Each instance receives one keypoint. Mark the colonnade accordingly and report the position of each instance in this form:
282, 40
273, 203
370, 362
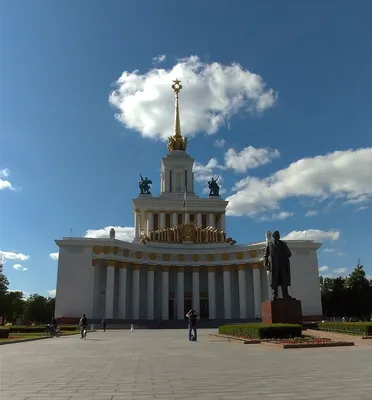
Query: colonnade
180, 290
149, 223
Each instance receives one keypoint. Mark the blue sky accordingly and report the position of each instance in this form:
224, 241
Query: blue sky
276, 100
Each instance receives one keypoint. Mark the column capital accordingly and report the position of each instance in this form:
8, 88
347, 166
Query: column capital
180, 269
111, 263
122, 265
165, 268
227, 268
242, 267
151, 268
195, 269
136, 267
212, 269
256, 265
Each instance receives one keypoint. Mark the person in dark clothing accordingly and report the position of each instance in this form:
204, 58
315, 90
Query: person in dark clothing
83, 323
192, 315
104, 324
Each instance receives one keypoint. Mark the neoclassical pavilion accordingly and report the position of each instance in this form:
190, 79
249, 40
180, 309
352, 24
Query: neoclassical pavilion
181, 257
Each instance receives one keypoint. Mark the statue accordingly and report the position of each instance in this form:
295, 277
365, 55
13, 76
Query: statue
276, 260
214, 187
144, 185
112, 233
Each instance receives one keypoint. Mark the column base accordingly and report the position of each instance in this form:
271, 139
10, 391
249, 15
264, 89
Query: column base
285, 311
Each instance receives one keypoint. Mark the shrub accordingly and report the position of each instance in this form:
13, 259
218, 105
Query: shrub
262, 331
38, 329
4, 333
357, 328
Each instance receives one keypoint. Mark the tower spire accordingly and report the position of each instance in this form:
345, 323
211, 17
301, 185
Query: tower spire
177, 141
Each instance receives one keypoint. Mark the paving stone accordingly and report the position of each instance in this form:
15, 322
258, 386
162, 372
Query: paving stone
162, 364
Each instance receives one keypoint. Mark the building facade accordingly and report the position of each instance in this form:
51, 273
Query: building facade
181, 257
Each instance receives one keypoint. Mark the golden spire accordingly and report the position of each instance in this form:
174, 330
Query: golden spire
177, 141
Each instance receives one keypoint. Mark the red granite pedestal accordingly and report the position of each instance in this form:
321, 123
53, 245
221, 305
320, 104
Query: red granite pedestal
285, 311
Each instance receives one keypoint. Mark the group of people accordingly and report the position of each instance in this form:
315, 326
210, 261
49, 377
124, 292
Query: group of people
192, 316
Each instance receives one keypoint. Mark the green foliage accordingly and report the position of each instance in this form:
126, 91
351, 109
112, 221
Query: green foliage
350, 296
14, 306
38, 329
261, 331
39, 309
358, 328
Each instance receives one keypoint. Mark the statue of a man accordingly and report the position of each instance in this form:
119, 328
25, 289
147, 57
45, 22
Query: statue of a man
112, 233
276, 259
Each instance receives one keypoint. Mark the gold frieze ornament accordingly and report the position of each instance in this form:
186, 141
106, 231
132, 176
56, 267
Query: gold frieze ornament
190, 233
177, 141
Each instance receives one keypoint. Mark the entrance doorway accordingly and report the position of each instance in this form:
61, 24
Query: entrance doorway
204, 309
171, 309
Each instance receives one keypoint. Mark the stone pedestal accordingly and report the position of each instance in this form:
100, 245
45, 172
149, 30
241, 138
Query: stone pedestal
285, 311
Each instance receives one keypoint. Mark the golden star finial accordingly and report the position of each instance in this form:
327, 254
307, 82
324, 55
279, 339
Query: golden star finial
176, 86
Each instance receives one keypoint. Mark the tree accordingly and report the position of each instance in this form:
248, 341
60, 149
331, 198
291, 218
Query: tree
350, 296
39, 309
359, 294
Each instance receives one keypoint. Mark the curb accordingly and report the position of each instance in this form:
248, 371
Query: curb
235, 339
25, 340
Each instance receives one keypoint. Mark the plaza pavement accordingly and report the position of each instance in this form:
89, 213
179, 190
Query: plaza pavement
162, 364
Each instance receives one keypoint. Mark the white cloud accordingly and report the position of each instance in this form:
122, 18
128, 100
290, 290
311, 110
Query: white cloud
52, 293
10, 255
311, 213
220, 143
323, 269
341, 174
54, 256
328, 250
249, 157
204, 173
339, 270
312, 234
159, 59
277, 216
125, 233
19, 267
4, 183
212, 94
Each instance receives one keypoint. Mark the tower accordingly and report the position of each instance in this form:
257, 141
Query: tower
177, 202
176, 167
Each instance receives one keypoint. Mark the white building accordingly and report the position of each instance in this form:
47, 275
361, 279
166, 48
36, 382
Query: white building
180, 258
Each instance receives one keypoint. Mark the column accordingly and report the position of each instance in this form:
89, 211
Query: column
211, 219
195, 289
223, 222
212, 292
162, 220
93, 287
165, 293
137, 224
174, 219
122, 306
198, 219
257, 289
227, 291
150, 292
136, 291
110, 289
150, 222
242, 291
180, 293
187, 218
